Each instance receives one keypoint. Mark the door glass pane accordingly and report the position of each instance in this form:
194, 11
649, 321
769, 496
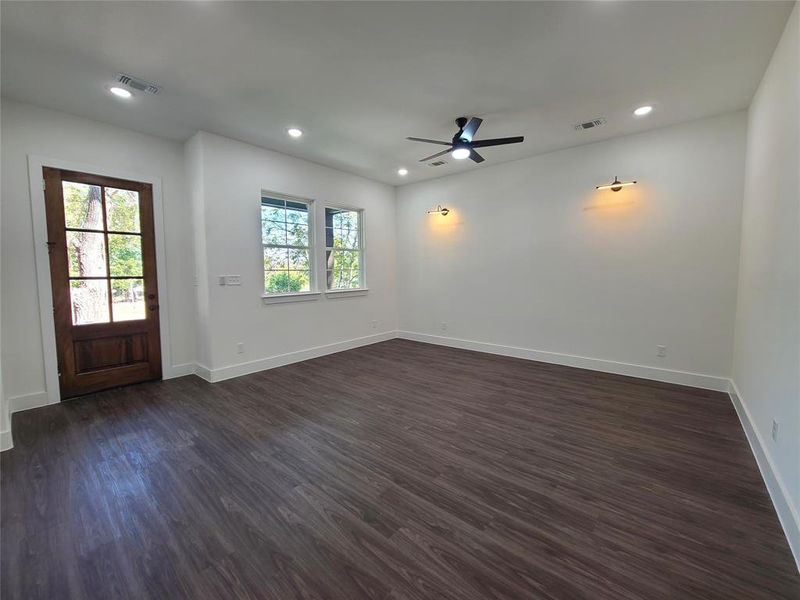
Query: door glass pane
86, 253
122, 210
127, 299
89, 301
83, 207
125, 255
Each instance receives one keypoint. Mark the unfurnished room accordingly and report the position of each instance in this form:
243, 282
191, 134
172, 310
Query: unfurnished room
400, 300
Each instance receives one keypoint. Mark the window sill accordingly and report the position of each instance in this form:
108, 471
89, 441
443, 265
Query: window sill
347, 293
295, 297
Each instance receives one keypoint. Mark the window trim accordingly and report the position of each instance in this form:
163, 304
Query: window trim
283, 297
313, 290
362, 253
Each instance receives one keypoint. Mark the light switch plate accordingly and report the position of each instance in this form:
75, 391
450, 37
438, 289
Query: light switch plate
233, 280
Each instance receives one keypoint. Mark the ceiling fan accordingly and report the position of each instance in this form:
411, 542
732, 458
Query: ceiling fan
463, 146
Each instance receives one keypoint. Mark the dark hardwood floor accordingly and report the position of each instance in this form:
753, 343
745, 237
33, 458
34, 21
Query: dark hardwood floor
399, 470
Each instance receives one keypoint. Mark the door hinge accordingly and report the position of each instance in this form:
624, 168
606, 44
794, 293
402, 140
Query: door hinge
44, 185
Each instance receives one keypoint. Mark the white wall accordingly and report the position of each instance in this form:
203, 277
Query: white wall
28, 130
532, 257
228, 177
211, 196
767, 351
6, 440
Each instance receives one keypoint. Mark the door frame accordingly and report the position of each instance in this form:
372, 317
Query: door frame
44, 281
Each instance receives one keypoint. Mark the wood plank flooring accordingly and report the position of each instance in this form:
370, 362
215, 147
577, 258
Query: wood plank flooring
394, 471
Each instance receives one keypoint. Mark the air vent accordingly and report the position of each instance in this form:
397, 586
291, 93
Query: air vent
590, 124
138, 84
437, 163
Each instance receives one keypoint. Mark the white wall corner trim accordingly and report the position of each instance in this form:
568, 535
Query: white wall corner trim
280, 360
697, 380
203, 372
181, 370
38, 214
787, 511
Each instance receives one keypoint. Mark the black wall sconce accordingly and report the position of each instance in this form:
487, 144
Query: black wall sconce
615, 185
439, 210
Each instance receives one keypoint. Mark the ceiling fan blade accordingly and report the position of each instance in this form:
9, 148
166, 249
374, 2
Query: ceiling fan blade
443, 152
476, 157
413, 139
470, 128
497, 142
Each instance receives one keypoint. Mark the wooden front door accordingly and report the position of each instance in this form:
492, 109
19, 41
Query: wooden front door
103, 271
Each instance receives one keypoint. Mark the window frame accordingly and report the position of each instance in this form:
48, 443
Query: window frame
362, 251
313, 292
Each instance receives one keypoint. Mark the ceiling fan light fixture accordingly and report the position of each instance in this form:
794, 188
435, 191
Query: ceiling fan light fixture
120, 92
463, 145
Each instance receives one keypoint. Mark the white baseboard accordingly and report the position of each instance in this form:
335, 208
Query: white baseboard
237, 370
698, 380
787, 511
28, 401
203, 372
6, 441
181, 370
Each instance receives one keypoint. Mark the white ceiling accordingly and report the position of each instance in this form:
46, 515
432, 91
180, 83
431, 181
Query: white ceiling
360, 77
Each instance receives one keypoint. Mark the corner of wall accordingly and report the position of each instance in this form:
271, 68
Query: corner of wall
776, 487
193, 158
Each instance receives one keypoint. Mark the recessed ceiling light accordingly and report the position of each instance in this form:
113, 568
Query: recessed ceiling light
120, 92
294, 132
402, 172
643, 110
460, 153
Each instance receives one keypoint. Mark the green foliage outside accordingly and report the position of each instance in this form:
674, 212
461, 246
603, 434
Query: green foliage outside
284, 233
283, 281
343, 255
86, 250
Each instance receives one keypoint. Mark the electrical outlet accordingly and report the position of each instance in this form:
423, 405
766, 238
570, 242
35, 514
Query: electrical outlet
374, 324
661, 351
443, 326
774, 431
240, 348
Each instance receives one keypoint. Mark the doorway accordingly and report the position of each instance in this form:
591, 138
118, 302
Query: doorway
102, 253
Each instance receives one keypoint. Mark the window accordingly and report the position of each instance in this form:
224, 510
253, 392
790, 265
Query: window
286, 238
344, 249
104, 253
